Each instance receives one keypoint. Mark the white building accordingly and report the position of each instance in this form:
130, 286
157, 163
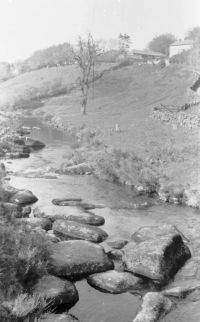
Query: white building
180, 46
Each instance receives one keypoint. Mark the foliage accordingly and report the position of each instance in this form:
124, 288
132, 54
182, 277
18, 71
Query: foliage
124, 43
24, 308
161, 43
23, 259
193, 34
190, 57
52, 56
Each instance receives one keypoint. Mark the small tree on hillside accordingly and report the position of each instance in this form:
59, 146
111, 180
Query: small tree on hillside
85, 55
124, 43
161, 43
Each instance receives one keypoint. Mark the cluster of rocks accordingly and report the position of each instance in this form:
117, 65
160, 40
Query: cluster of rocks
17, 144
143, 265
177, 117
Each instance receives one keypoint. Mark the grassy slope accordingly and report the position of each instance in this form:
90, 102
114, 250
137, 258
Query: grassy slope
22, 90
125, 96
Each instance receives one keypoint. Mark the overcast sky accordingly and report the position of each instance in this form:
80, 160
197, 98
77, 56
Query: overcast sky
28, 25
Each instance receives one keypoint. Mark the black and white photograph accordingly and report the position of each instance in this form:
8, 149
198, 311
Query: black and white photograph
99, 161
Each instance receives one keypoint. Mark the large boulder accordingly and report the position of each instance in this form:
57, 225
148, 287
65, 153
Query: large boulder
73, 230
60, 294
23, 197
154, 306
77, 258
158, 260
115, 282
155, 232
58, 318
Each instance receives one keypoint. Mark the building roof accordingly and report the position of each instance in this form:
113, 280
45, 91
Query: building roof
183, 42
146, 53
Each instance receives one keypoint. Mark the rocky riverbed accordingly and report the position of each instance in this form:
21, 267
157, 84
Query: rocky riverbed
108, 257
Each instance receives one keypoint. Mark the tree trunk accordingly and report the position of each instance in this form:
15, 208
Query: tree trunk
84, 106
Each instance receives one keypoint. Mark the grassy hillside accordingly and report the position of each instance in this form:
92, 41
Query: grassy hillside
125, 96
25, 90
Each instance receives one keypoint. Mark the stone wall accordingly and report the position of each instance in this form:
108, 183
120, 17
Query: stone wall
178, 115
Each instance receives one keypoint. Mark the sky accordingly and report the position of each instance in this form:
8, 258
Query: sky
29, 25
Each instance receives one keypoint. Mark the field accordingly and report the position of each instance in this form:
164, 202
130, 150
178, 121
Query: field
124, 96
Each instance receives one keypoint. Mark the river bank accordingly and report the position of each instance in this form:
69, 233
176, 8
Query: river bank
122, 219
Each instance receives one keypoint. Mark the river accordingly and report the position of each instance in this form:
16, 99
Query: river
121, 219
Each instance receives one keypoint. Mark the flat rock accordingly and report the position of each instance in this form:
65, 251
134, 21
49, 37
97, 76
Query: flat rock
87, 218
58, 318
155, 232
73, 230
23, 197
77, 258
158, 260
154, 306
62, 201
115, 282
75, 203
117, 244
60, 294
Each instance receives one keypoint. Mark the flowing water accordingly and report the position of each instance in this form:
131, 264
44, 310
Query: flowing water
121, 219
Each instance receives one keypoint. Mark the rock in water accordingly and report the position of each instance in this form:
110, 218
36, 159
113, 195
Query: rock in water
34, 144
58, 318
87, 218
73, 230
63, 201
155, 232
118, 244
75, 202
23, 197
154, 306
158, 260
115, 282
60, 294
77, 258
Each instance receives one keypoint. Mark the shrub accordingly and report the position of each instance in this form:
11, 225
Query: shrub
23, 259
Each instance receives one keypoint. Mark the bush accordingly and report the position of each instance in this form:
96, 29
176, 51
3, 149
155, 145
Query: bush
23, 259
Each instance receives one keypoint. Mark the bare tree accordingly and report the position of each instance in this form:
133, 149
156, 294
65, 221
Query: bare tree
85, 55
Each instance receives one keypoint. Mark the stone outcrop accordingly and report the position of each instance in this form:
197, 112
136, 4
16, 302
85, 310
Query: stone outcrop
156, 259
